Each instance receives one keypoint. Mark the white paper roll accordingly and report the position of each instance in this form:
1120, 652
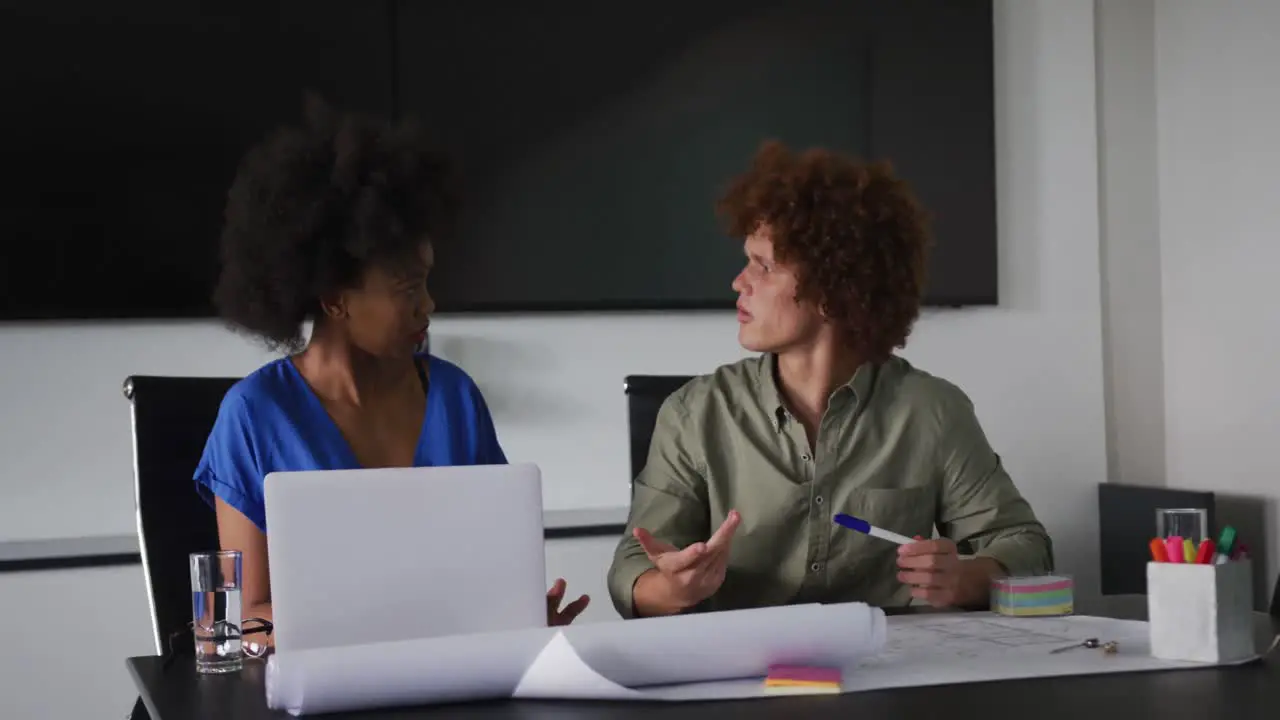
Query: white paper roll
410, 672
729, 644
633, 654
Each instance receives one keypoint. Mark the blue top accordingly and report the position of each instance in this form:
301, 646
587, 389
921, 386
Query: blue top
272, 421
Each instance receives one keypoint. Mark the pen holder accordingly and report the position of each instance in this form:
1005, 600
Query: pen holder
1200, 613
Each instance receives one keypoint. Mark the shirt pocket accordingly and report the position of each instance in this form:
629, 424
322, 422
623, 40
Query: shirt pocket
906, 511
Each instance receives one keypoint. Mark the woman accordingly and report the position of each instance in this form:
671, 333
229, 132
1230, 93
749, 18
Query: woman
331, 223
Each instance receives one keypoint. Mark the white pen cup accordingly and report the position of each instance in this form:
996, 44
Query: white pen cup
1201, 613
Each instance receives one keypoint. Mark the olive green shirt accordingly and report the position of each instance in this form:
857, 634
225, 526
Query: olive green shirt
897, 447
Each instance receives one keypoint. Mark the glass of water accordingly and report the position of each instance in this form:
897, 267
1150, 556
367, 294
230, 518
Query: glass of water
1187, 523
215, 606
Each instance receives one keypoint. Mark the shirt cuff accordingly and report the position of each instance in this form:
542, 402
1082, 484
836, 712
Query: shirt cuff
622, 583
1020, 554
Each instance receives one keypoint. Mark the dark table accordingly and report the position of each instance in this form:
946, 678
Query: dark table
1235, 693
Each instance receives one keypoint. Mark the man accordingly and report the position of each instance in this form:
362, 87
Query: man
749, 464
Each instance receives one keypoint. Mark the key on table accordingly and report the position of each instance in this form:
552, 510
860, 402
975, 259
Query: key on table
1090, 643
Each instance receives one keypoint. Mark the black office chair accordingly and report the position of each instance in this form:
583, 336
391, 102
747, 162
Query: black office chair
171, 417
645, 395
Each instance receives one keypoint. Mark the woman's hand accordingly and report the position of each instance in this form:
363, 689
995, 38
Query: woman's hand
556, 616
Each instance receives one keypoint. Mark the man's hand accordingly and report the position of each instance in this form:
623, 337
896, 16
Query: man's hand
938, 576
932, 569
556, 616
684, 577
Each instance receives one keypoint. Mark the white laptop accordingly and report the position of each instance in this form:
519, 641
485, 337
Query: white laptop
361, 556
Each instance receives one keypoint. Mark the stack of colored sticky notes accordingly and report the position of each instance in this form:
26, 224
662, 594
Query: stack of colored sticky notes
801, 680
1033, 596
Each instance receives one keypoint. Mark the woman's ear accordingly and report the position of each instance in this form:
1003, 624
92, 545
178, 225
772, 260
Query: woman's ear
335, 306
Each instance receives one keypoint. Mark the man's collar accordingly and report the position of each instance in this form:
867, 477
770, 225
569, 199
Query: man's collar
858, 388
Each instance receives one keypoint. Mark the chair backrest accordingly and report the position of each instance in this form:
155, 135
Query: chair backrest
645, 395
171, 418
1126, 524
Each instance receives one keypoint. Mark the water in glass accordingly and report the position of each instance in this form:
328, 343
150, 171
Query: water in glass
217, 630
215, 611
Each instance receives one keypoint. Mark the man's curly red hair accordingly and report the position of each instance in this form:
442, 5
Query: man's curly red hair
853, 232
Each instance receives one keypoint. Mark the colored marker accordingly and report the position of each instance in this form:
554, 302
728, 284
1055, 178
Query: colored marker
1204, 556
1173, 547
867, 528
1241, 553
1188, 551
1226, 544
1159, 553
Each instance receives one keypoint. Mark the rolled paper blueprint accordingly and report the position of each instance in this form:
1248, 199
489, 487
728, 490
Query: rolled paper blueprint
453, 668
729, 644
630, 654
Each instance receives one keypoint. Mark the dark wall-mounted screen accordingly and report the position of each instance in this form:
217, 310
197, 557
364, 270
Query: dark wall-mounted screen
592, 140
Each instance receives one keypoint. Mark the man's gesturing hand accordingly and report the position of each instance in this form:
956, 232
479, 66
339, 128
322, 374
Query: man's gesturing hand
693, 574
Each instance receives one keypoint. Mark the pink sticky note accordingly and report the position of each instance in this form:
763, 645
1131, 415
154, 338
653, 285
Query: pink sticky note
801, 673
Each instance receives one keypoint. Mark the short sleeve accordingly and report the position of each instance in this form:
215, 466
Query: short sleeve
231, 468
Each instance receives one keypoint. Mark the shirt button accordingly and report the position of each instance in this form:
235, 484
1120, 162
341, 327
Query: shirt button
805, 458
818, 499
815, 567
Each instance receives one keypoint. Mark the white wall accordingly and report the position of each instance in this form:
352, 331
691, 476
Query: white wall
1131, 311
66, 636
1219, 163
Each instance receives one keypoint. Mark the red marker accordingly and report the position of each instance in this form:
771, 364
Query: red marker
1204, 556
